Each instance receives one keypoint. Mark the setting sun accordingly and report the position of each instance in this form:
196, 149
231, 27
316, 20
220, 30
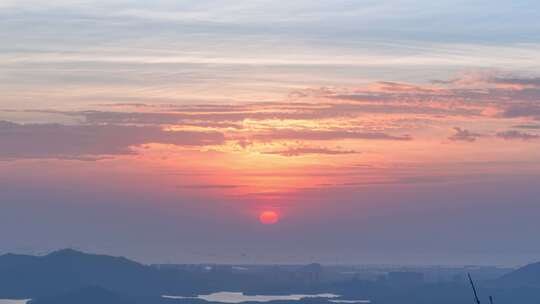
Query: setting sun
268, 217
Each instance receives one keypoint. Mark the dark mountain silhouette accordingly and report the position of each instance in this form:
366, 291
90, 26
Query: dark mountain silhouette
526, 276
66, 270
12, 260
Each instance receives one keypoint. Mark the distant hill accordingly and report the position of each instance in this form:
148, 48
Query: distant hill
11, 260
63, 271
66, 270
526, 276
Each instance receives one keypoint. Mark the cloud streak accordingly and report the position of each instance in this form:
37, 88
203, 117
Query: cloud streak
90, 141
300, 151
517, 135
292, 134
464, 135
380, 111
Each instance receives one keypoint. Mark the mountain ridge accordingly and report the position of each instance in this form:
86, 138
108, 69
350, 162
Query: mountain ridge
24, 276
528, 275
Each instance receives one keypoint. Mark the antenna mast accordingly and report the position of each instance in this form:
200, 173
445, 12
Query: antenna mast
474, 289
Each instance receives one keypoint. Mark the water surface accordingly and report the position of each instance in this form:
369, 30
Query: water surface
239, 297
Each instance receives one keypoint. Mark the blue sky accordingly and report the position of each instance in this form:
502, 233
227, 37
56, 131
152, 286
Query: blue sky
76, 46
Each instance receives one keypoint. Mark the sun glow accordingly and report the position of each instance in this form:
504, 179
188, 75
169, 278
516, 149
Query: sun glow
268, 217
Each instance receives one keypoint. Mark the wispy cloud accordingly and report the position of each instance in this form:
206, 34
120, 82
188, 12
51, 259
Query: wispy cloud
209, 186
513, 134
293, 134
530, 126
531, 110
299, 151
320, 118
90, 141
464, 135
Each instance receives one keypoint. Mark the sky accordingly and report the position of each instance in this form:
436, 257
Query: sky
377, 132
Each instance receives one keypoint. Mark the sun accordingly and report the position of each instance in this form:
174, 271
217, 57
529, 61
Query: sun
268, 217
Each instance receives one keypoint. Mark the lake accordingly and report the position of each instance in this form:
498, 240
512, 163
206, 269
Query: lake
239, 297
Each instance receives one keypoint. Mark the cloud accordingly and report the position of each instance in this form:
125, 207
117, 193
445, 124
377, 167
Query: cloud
464, 135
336, 104
469, 95
532, 127
90, 141
491, 88
293, 134
379, 111
491, 77
388, 86
405, 180
225, 114
523, 110
210, 186
516, 81
513, 134
310, 150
